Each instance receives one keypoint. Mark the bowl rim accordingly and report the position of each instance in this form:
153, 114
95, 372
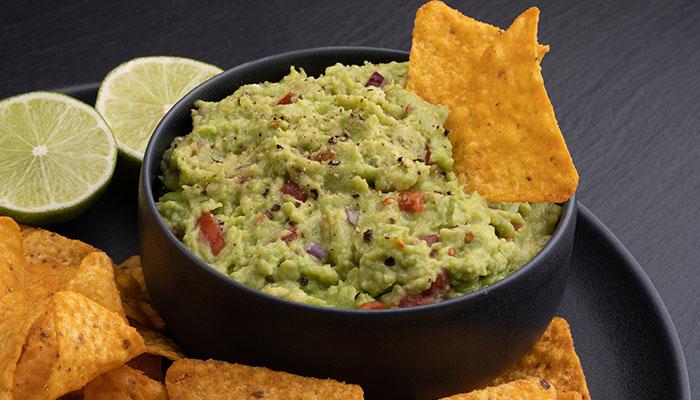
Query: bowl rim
152, 159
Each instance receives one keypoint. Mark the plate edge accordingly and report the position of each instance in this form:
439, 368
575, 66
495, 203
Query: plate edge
656, 300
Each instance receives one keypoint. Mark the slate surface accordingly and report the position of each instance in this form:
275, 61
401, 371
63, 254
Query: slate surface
623, 77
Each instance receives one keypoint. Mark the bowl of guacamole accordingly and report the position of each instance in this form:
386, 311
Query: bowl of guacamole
301, 212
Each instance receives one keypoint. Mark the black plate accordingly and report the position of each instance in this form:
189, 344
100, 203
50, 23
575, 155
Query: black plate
622, 331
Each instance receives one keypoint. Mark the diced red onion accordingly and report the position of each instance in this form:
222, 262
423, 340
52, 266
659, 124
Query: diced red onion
317, 251
376, 80
430, 240
352, 216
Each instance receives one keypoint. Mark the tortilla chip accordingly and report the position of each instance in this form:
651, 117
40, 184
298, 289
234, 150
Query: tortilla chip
196, 379
505, 139
128, 286
151, 365
73, 342
76, 395
554, 359
12, 264
446, 49
64, 273
143, 313
38, 356
522, 389
95, 279
569, 396
132, 266
160, 345
42, 247
48, 253
135, 298
124, 383
19, 311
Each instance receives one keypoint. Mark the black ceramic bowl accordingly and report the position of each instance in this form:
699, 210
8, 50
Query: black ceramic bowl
421, 352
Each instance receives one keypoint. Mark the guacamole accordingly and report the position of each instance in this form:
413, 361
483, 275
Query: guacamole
338, 191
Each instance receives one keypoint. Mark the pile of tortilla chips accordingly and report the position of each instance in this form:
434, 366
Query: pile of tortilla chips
74, 324
506, 141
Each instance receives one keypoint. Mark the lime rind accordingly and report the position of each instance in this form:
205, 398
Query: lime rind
135, 96
48, 175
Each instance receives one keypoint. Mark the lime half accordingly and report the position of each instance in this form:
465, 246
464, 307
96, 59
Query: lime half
57, 155
135, 96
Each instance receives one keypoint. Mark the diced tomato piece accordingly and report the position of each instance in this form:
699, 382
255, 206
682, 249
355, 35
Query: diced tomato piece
372, 305
411, 201
210, 231
441, 285
290, 236
286, 99
292, 189
438, 290
412, 300
427, 155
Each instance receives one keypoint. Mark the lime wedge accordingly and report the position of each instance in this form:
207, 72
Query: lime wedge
58, 155
135, 96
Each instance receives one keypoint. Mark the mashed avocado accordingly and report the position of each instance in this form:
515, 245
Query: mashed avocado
338, 191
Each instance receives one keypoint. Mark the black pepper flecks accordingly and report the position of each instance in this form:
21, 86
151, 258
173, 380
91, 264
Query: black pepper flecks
544, 384
303, 281
275, 207
314, 194
389, 262
367, 235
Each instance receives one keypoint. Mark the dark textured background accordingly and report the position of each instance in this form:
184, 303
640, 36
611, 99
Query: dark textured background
623, 76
